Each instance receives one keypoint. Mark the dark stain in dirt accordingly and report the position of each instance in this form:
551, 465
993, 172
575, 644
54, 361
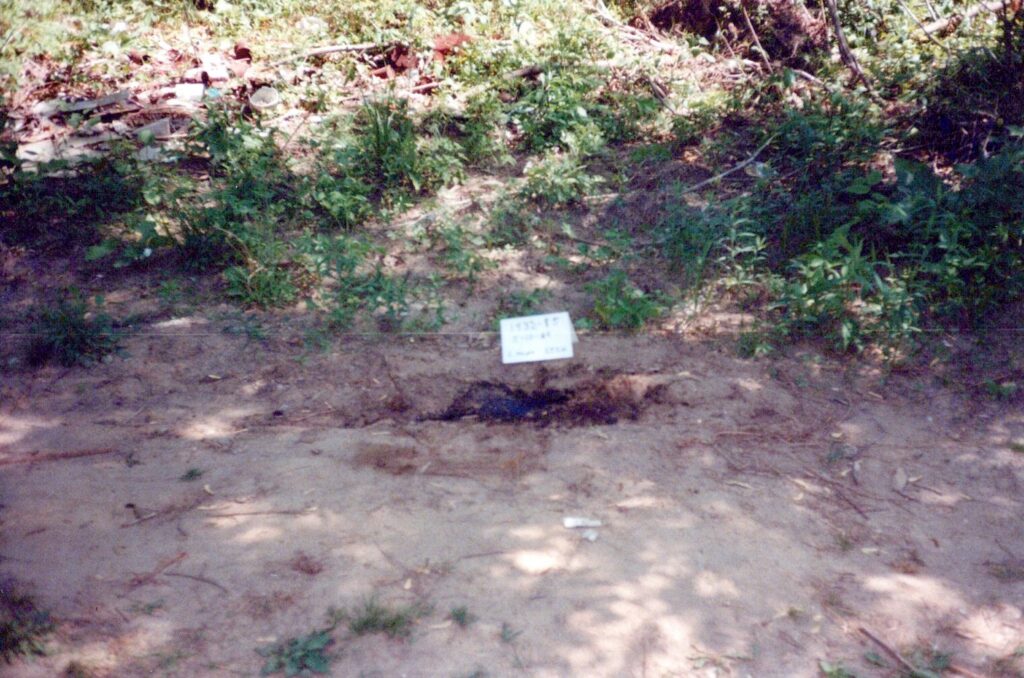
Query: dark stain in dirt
596, 403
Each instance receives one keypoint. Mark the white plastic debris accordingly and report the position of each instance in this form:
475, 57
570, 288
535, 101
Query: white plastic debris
264, 98
571, 522
589, 535
188, 92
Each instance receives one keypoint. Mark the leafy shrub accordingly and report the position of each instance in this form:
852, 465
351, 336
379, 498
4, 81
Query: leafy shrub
441, 161
618, 304
839, 294
555, 112
342, 196
556, 180
386, 138
48, 206
460, 255
481, 132
511, 222
298, 655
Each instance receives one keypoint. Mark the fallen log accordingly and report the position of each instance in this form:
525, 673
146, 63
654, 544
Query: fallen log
941, 25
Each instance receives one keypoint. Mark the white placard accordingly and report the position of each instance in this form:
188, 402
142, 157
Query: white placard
533, 338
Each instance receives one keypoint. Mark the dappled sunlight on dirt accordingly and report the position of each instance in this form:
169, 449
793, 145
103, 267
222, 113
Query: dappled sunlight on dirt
753, 517
15, 428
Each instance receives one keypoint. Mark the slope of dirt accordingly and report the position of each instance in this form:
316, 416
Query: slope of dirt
756, 515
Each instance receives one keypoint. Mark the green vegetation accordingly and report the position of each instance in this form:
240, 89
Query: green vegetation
69, 334
191, 474
620, 304
462, 616
23, 626
867, 209
298, 655
373, 617
829, 670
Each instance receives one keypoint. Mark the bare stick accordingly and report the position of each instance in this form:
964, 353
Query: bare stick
150, 577
757, 41
735, 168
32, 457
942, 24
331, 49
888, 650
908, 12
239, 514
142, 519
844, 47
700, 184
196, 577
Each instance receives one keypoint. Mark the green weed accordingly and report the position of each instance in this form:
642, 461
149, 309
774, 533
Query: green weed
373, 617
753, 344
508, 634
557, 180
70, 334
191, 474
386, 145
1000, 390
298, 655
23, 626
462, 616
148, 608
830, 670
461, 255
618, 304
514, 304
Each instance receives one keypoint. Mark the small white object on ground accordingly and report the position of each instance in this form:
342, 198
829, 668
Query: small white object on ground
188, 93
589, 535
571, 522
264, 98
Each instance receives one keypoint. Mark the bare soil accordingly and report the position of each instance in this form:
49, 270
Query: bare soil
757, 517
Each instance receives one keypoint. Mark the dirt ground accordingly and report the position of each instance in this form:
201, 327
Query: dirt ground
757, 517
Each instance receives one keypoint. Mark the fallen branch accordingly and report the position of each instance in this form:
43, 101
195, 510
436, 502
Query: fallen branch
844, 47
910, 13
332, 49
700, 184
757, 41
735, 168
141, 519
32, 457
889, 651
942, 24
196, 577
150, 577
240, 514
609, 20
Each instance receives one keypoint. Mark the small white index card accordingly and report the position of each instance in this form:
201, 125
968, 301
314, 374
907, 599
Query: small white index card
533, 338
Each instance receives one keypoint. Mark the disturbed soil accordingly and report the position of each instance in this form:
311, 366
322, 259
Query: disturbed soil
204, 495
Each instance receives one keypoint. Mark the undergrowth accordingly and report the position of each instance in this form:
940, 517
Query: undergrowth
68, 333
871, 214
23, 626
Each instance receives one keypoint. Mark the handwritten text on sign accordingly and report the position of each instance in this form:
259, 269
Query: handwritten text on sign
536, 337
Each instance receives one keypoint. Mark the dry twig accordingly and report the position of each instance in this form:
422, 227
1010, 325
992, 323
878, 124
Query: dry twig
32, 457
196, 577
888, 650
331, 49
